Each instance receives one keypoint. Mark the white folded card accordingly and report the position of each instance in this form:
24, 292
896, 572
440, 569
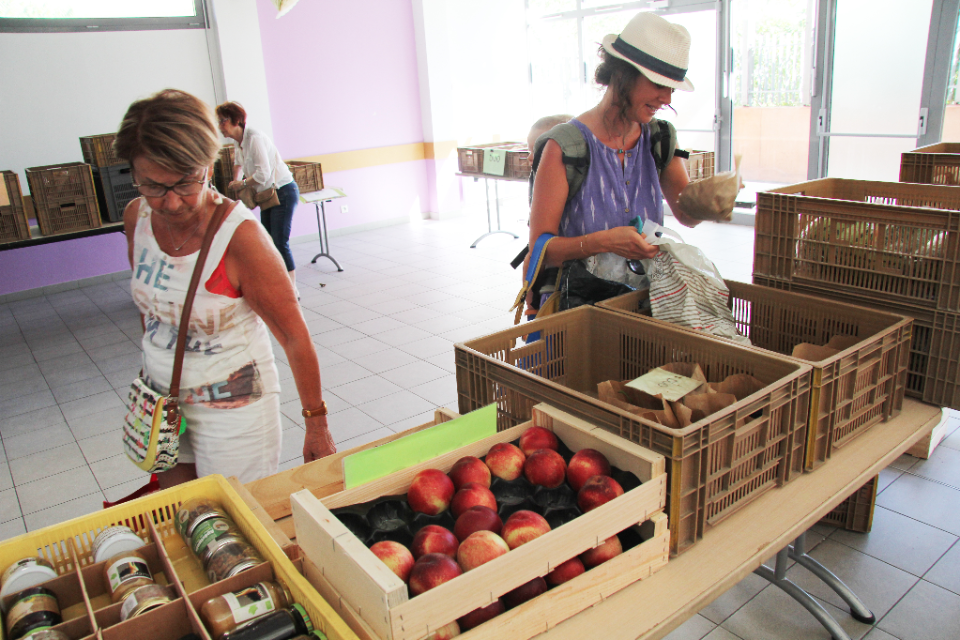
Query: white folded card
659, 382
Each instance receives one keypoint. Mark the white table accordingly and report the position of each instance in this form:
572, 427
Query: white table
318, 198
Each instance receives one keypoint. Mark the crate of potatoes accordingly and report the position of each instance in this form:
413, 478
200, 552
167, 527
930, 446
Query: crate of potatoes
500, 547
190, 559
859, 356
719, 458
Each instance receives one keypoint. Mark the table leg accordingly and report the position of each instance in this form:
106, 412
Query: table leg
777, 577
324, 238
490, 230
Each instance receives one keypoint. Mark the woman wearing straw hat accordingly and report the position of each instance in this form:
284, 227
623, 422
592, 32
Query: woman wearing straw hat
641, 68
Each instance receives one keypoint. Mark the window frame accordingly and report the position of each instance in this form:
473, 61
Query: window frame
94, 25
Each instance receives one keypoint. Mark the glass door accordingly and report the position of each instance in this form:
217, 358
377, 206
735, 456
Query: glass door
872, 109
772, 43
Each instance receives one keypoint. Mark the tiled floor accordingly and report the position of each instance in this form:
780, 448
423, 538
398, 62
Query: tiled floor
385, 329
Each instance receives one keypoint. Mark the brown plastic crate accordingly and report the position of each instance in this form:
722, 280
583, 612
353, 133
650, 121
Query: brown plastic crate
64, 197
888, 241
716, 465
223, 168
856, 512
13, 218
470, 159
934, 164
307, 175
98, 150
851, 391
933, 363
700, 165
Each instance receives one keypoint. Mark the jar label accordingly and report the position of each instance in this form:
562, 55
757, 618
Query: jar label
249, 603
129, 603
208, 532
125, 569
35, 603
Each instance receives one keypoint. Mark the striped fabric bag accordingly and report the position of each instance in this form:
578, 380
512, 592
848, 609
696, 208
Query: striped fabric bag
686, 288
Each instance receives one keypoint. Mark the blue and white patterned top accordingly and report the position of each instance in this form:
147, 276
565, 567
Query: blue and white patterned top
612, 195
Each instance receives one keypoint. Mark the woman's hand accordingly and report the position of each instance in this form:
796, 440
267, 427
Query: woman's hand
318, 442
235, 185
629, 243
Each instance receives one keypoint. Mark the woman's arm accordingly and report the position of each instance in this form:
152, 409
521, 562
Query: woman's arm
549, 197
255, 267
130, 214
672, 182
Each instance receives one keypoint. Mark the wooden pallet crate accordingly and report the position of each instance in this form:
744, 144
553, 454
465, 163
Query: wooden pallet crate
307, 175
347, 572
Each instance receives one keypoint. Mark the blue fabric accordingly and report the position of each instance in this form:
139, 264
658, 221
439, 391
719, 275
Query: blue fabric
277, 220
612, 195
535, 255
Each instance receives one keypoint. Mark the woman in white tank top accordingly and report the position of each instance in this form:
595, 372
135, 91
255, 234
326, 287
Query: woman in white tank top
229, 386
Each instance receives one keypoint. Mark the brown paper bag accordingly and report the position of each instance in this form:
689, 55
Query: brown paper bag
740, 385
841, 342
712, 198
704, 404
637, 402
812, 352
683, 413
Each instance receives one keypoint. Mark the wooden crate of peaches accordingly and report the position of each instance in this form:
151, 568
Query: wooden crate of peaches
512, 544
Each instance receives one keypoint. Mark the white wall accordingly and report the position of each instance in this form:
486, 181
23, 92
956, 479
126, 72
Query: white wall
57, 87
241, 50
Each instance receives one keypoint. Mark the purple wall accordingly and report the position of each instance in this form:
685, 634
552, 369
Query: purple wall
342, 76
57, 262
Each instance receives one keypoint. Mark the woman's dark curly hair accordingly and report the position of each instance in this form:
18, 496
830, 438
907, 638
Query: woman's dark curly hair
620, 77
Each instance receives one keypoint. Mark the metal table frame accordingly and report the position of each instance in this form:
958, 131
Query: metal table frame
496, 191
322, 223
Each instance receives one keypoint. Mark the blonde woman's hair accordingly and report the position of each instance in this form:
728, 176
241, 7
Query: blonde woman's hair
172, 128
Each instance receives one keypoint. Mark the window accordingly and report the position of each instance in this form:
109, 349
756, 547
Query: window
31, 16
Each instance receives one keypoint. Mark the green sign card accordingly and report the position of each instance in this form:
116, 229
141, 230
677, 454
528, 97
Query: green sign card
494, 161
370, 464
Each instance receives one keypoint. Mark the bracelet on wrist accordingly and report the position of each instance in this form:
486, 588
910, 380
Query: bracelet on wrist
320, 411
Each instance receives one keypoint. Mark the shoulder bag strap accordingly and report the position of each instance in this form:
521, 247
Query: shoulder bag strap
172, 402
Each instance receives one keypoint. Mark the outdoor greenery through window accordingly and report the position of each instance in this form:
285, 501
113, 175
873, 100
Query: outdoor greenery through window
771, 42
87, 9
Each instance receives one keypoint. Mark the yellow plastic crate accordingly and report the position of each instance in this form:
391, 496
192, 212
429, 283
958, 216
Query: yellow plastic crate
160, 508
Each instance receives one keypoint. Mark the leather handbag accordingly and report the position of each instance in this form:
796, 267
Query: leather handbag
267, 199
153, 424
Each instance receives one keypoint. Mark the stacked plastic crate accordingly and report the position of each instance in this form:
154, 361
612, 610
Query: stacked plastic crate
112, 176
64, 197
13, 219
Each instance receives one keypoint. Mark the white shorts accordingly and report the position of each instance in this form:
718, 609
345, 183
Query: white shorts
242, 442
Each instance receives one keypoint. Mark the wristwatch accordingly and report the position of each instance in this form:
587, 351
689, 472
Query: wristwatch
320, 411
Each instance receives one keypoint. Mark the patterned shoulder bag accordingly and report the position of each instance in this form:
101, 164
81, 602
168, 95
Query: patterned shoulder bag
153, 424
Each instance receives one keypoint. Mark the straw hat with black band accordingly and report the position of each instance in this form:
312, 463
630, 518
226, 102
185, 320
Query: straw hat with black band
660, 50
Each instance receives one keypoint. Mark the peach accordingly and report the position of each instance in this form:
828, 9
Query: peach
505, 461
526, 591
430, 492
545, 467
445, 632
585, 464
480, 547
431, 571
469, 469
565, 571
538, 438
609, 548
434, 539
396, 556
478, 518
597, 491
522, 527
478, 616
471, 495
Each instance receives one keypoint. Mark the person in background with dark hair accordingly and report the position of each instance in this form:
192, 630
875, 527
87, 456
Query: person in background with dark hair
230, 388
640, 68
257, 158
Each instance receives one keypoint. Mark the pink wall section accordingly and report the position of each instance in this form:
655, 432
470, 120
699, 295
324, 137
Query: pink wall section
374, 194
341, 75
62, 262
